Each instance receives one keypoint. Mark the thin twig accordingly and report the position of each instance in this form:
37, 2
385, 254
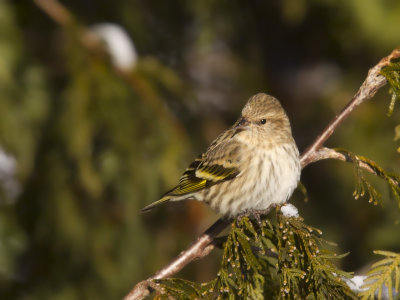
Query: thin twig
313, 153
56, 11
328, 153
368, 89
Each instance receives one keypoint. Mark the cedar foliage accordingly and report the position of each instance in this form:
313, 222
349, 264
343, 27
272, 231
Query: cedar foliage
283, 259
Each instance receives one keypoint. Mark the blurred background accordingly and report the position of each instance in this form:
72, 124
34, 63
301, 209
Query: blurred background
104, 103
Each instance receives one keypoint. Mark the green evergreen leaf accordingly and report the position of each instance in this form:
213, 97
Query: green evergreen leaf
392, 74
382, 274
363, 187
321, 278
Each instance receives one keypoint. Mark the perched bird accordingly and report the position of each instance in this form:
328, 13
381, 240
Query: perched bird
248, 168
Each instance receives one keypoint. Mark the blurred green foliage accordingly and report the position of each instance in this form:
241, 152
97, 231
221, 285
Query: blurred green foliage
92, 146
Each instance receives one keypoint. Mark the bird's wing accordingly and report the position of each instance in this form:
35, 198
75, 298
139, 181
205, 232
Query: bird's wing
202, 173
212, 167
208, 169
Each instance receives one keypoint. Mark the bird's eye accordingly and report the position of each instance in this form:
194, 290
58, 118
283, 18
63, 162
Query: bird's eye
263, 121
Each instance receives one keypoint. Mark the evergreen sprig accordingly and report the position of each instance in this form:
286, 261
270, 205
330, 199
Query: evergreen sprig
392, 74
384, 272
177, 288
269, 260
363, 186
300, 253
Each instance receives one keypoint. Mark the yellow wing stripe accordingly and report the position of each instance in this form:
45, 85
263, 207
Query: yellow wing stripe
189, 187
215, 172
210, 176
200, 177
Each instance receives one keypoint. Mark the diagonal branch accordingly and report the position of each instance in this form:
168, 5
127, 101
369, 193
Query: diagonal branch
368, 89
315, 152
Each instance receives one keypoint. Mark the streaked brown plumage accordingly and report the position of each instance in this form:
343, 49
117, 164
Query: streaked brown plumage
248, 167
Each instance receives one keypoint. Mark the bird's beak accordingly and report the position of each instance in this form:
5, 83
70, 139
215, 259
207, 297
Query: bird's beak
240, 126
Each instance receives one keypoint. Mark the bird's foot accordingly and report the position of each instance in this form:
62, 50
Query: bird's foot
256, 214
242, 214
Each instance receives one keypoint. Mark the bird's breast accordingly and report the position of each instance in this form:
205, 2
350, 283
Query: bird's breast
273, 175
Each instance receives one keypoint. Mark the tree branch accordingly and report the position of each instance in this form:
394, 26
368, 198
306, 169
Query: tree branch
315, 152
368, 89
55, 11
328, 153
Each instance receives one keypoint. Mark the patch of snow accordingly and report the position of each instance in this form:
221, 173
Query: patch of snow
8, 169
289, 210
119, 45
356, 283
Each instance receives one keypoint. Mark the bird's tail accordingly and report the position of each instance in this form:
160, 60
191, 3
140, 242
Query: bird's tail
154, 204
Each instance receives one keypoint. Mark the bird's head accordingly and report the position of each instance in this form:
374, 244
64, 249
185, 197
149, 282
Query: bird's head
263, 120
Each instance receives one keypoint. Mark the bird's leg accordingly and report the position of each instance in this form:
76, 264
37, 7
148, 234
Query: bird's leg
260, 212
242, 214
257, 215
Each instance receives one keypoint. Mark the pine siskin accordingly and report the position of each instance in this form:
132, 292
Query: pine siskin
249, 167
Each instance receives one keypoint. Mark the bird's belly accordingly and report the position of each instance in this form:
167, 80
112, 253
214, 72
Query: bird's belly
266, 181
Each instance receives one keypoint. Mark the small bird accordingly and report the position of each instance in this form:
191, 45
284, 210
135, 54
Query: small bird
249, 167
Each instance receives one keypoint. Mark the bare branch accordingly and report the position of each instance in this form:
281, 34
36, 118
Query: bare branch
55, 11
368, 89
327, 153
